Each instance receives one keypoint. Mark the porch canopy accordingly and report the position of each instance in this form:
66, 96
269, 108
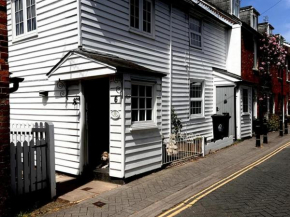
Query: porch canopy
223, 77
82, 64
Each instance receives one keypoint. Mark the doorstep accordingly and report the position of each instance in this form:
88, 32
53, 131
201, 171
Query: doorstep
83, 192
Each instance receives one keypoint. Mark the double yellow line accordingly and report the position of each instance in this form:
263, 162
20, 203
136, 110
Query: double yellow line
192, 200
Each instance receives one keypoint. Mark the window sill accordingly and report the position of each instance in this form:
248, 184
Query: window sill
25, 37
141, 33
197, 49
245, 114
196, 117
145, 125
255, 69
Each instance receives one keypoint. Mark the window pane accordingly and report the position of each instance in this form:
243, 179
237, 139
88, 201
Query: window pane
142, 115
148, 91
21, 28
245, 100
134, 115
149, 115
33, 23
196, 90
142, 103
134, 103
28, 13
146, 16
195, 25
195, 107
149, 103
134, 90
33, 11
134, 13
28, 25
141, 90
195, 39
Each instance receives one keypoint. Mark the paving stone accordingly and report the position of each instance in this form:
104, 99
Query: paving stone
149, 195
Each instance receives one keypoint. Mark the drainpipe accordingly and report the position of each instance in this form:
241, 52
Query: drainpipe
170, 71
15, 81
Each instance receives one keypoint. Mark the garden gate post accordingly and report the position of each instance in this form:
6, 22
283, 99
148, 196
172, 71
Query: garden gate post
50, 157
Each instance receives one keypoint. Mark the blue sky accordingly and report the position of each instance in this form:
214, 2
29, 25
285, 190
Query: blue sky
279, 15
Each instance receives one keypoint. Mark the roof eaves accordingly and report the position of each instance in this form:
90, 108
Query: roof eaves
219, 14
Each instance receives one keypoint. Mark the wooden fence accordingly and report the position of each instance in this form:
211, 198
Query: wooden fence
32, 158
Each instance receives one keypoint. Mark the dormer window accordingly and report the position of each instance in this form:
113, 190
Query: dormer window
236, 7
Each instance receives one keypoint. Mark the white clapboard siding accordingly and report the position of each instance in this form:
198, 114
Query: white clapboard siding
32, 59
109, 32
116, 130
200, 65
143, 149
246, 119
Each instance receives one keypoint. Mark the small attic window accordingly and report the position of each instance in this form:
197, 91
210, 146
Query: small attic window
255, 22
236, 8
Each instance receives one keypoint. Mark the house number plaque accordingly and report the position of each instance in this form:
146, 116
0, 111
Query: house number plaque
115, 115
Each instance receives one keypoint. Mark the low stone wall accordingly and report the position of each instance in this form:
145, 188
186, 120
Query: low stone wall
219, 144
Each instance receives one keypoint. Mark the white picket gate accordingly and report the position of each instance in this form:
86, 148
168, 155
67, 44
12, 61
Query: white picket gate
181, 147
32, 158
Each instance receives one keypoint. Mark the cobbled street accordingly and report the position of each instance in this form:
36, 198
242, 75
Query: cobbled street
262, 191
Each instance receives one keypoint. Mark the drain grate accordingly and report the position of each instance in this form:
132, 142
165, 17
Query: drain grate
87, 189
99, 204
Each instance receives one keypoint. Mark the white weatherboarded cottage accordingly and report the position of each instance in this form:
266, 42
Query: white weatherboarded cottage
107, 73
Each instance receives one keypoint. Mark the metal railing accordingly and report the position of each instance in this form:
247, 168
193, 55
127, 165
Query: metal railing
182, 146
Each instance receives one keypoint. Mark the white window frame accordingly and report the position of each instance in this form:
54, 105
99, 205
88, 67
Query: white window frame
255, 66
26, 34
153, 118
140, 29
236, 8
201, 115
195, 32
255, 22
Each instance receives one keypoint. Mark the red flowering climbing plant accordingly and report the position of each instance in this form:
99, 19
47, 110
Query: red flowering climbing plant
272, 53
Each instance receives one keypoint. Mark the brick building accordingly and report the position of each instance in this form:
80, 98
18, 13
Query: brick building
4, 110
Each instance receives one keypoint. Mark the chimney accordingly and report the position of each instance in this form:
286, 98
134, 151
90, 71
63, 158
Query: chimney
250, 16
229, 6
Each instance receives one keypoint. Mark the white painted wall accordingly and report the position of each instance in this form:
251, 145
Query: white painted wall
104, 27
31, 59
234, 50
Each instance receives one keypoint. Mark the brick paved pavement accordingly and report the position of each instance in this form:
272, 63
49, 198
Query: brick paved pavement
262, 191
150, 195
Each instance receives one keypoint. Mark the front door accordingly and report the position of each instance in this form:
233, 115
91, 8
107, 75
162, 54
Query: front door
97, 118
225, 103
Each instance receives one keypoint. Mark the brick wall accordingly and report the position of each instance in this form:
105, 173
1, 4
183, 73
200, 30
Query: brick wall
4, 112
248, 58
